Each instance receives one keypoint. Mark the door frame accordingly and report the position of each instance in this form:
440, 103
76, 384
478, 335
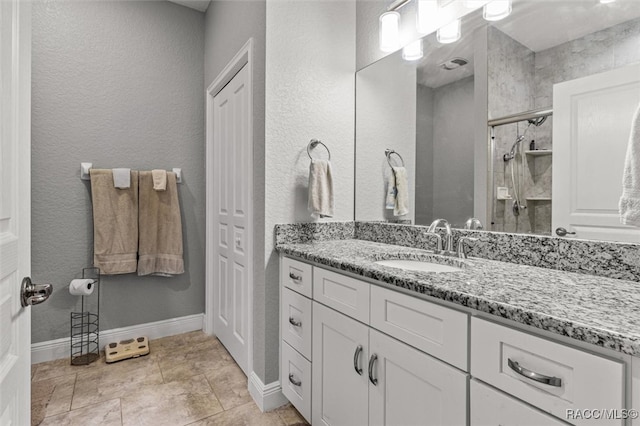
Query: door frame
244, 57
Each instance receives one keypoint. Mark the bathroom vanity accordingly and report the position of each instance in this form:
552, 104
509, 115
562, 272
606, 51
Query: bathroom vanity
493, 343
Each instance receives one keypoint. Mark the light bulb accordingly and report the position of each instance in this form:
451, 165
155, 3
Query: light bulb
449, 33
496, 10
606, 1
474, 4
389, 31
427, 16
412, 51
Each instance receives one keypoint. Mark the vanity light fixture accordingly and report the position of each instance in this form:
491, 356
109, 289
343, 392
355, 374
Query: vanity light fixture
427, 15
496, 10
412, 51
389, 31
606, 1
449, 33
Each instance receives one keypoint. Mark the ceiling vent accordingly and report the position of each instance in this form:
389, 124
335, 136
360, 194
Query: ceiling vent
454, 63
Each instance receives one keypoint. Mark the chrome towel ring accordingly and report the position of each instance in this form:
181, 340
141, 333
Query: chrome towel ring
312, 144
388, 153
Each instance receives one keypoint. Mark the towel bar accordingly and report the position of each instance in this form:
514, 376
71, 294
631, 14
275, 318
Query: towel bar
388, 153
312, 144
86, 167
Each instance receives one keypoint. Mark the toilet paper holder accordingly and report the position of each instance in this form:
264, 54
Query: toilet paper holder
85, 324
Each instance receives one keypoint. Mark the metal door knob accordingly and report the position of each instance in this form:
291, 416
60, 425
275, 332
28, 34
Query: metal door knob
562, 232
33, 294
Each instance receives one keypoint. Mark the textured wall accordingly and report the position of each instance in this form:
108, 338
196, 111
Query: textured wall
385, 118
228, 26
310, 65
453, 146
118, 84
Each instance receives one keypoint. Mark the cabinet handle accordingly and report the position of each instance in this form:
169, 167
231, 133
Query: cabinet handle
295, 323
372, 360
547, 380
294, 382
356, 358
295, 277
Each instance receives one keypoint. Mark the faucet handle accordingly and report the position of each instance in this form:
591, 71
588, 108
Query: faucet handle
461, 243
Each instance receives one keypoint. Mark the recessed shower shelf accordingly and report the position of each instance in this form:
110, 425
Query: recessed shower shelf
538, 198
538, 152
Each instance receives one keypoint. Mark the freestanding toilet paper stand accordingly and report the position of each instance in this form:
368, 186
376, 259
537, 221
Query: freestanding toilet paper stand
85, 330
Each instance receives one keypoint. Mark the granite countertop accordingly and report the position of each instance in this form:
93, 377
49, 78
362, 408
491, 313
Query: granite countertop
601, 311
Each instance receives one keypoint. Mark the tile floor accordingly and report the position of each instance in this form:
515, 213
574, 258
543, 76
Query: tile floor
188, 379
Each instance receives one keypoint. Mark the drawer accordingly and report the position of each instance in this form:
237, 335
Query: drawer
492, 407
296, 275
574, 379
342, 293
295, 376
296, 321
436, 330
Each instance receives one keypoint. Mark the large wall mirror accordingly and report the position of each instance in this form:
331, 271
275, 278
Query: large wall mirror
522, 123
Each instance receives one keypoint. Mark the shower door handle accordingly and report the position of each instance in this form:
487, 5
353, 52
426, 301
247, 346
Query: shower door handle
32, 294
562, 232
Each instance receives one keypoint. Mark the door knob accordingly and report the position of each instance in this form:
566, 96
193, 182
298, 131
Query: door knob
32, 294
561, 232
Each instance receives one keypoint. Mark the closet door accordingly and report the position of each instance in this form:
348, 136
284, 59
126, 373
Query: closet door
339, 392
232, 243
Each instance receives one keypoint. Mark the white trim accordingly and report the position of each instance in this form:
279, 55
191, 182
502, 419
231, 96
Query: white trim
242, 58
59, 348
267, 397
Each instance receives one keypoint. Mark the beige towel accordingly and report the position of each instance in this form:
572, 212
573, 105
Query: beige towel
160, 248
401, 206
159, 179
320, 189
115, 223
630, 200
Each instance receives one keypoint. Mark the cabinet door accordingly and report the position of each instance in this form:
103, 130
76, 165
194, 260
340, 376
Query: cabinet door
339, 393
490, 407
412, 387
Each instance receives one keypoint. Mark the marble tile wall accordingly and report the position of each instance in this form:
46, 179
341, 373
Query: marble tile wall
600, 258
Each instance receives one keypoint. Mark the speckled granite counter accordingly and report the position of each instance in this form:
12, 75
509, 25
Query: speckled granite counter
601, 311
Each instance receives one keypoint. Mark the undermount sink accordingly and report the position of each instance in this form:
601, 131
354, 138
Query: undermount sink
419, 265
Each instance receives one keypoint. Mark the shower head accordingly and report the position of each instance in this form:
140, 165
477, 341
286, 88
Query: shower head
537, 121
512, 152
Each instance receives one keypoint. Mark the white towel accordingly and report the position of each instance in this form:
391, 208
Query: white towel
401, 205
630, 199
390, 199
121, 178
320, 188
159, 179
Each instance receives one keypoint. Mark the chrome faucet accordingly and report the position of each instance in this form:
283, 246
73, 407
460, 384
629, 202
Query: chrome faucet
448, 241
473, 223
461, 243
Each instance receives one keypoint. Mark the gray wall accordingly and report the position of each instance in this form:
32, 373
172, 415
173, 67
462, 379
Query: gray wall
228, 26
424, 154
118, 84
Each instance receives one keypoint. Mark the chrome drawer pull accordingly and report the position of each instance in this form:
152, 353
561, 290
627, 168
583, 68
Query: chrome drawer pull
547, 380
295, 277
372, 361
356, 358
295, 323
294, 382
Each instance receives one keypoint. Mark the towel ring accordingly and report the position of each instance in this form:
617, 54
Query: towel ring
312, 144
388, 153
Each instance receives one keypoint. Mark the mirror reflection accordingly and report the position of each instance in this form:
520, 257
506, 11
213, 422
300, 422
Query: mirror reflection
522, 123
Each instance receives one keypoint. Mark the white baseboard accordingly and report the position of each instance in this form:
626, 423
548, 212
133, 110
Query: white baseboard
59, 348
267, 397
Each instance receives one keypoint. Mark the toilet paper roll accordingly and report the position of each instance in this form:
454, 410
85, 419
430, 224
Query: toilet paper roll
81, 287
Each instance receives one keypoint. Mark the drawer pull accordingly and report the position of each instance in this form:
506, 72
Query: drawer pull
294, 382
356, 359
547, 380
295, 323
372, 361
295, 277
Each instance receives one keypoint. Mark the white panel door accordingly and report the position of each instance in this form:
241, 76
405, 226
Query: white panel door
412, 388
15, 180
591, 126
338, 392
231, 200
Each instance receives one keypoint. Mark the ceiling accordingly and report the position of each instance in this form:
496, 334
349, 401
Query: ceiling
200, 5
537, 24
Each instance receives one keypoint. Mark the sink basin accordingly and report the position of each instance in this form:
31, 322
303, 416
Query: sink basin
419, 265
